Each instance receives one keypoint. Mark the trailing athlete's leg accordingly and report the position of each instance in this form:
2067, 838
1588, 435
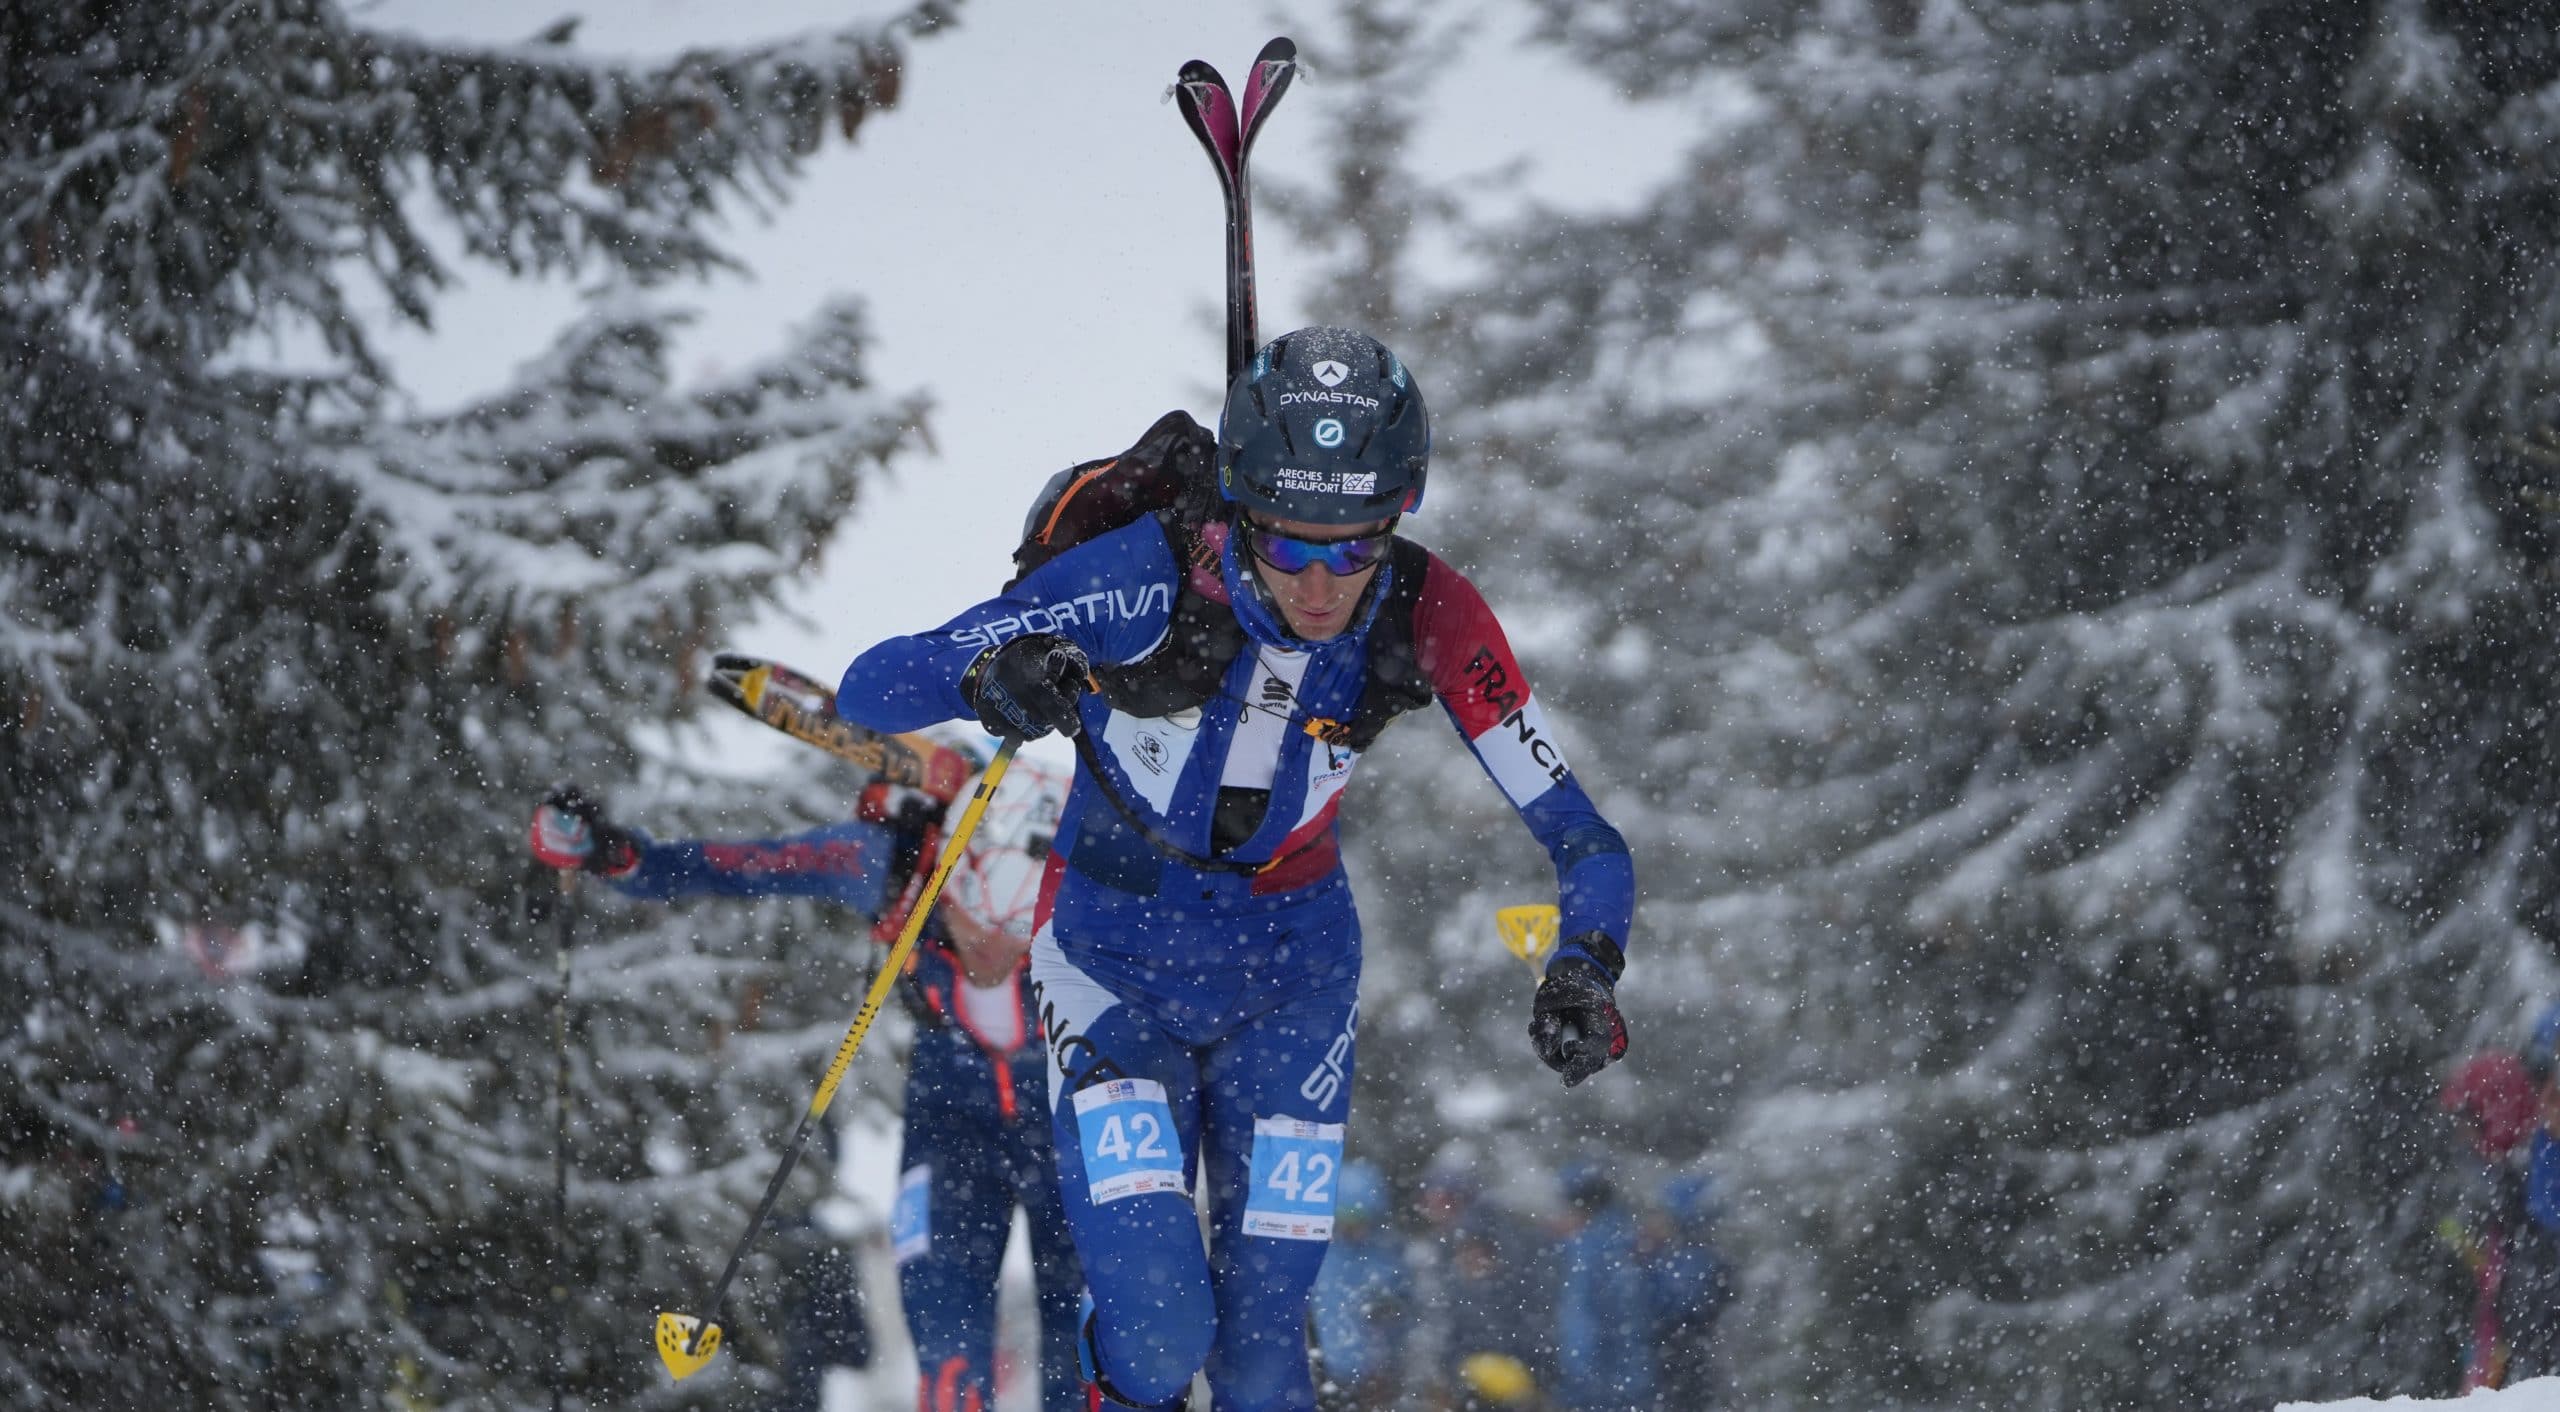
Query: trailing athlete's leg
948, 1230
1055, 1272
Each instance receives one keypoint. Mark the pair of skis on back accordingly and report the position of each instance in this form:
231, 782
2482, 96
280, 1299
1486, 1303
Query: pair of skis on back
804, 708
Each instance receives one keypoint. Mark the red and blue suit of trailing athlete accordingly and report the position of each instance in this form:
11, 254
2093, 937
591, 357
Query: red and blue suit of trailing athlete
1200, 1017
976, 1136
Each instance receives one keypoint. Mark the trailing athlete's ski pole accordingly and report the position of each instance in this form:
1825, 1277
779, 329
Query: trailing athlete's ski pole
686, 1343
560, 1141
805, 709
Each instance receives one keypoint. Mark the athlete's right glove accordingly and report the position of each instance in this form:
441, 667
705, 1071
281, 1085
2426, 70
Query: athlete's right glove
1574, 1023
1027, 686
570, 831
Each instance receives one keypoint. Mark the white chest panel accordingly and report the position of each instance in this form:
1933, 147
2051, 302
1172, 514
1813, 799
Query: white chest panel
1153, 749
1270, 700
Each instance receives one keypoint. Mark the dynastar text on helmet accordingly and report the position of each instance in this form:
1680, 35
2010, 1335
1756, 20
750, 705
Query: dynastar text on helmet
1100, 607
1352, 399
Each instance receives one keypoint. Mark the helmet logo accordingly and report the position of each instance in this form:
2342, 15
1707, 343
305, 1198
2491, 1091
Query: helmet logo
1330, 373
1329, 431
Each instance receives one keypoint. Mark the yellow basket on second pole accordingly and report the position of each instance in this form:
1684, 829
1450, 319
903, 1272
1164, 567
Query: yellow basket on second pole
1528, 932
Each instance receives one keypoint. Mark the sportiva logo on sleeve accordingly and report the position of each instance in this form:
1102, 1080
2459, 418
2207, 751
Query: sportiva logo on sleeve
1103, 606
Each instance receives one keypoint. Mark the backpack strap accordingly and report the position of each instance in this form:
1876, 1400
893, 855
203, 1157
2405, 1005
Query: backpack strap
1129, 813
1396, 683
1200, 643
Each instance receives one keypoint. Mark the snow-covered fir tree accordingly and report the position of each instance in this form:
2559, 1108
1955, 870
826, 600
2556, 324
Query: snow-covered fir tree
287, 663
2035, 531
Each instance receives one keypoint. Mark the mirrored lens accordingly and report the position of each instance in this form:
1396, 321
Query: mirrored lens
1291, 555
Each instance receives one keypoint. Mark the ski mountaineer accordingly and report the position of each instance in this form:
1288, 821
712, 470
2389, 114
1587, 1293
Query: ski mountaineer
1198, 957
975, 1143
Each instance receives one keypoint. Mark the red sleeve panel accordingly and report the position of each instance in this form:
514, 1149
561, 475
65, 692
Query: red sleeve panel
1468, 661
1469, 664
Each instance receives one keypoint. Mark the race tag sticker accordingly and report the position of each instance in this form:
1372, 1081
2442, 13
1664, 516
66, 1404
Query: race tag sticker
1294, 1166
911, 1216
1126, 1131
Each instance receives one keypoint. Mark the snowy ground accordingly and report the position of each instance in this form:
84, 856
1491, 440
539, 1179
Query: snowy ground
2539, 1395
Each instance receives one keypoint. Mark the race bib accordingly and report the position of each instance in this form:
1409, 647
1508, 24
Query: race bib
1126, 1131
911, 1217
1294, 1166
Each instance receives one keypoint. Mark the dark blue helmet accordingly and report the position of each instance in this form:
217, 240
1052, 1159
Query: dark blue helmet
1325, 426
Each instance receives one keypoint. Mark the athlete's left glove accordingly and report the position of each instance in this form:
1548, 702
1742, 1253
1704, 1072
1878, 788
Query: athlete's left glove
1027, 686
1574, 1023
570, 831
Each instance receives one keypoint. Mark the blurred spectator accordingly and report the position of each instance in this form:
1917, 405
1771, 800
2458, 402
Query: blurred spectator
2492, 1101
2529, 1296
1691, 1285
1603, 1317
1482, 1308
1497, 1382
1362, 1295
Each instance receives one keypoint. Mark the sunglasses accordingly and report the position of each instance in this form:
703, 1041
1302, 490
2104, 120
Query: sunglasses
1291, 555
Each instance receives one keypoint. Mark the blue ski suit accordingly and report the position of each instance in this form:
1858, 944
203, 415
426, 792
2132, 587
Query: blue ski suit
975, 1141
1200, 1010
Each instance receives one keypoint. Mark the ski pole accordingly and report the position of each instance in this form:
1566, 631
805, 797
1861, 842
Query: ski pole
1528, 932
560, 1141
686, 1344
805, 709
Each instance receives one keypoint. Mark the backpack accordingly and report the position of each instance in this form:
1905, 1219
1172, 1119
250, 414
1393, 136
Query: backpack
1171, 470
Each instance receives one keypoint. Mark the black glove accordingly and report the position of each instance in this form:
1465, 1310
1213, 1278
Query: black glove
1027, 687
570, 831
1574, 1024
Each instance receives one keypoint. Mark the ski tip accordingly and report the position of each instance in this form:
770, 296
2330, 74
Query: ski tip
1273, 69
684, 1351
1210, 111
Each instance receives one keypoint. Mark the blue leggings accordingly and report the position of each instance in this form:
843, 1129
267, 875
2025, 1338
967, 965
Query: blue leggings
963, 1173
1256, 1099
